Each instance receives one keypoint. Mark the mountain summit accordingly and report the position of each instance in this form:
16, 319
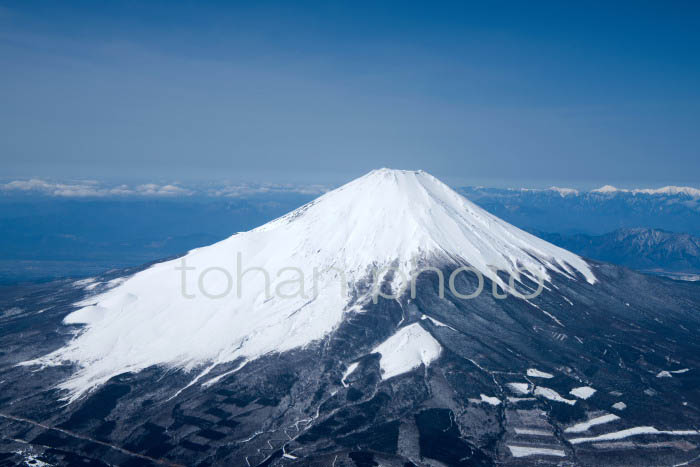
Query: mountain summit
309, 268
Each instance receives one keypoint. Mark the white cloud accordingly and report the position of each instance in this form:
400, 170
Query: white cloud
151, 189
91, 188
26, 185
247, 189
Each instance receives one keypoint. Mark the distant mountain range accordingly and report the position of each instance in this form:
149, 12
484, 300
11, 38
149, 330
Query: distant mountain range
596, 212
644, 249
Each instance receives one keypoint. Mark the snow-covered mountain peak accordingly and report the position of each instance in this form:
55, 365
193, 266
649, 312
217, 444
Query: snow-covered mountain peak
291, 281
390, 216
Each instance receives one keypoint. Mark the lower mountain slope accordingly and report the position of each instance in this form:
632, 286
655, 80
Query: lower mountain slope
584, 374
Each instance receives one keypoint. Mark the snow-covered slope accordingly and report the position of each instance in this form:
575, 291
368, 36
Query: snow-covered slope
410, 347
325, 249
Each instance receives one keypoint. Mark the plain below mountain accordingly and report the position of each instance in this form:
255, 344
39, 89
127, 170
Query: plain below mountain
592, 212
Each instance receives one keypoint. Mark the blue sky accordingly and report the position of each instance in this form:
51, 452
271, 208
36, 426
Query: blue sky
516, 93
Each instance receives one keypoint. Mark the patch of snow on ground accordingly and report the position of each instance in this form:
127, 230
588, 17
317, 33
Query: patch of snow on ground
551, 316
118, 281
533, 432
216, 379
352, 367
490, 400
585, 426
32, 459
534, 373
678, 372
619, 406
638, 430
519, 388
523, 451
663, 374
436, 322
584, 392
515, 400
407, 349
84, 282
14, 311
552, 395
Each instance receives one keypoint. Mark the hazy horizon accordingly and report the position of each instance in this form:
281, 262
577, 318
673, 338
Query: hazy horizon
242, 185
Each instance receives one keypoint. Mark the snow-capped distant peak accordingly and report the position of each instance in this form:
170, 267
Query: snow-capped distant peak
564, 191
612, 190
291, 281
671, 190
606, 189
667, 190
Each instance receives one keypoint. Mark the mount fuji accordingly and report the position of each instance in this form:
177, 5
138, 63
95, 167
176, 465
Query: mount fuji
388, 322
